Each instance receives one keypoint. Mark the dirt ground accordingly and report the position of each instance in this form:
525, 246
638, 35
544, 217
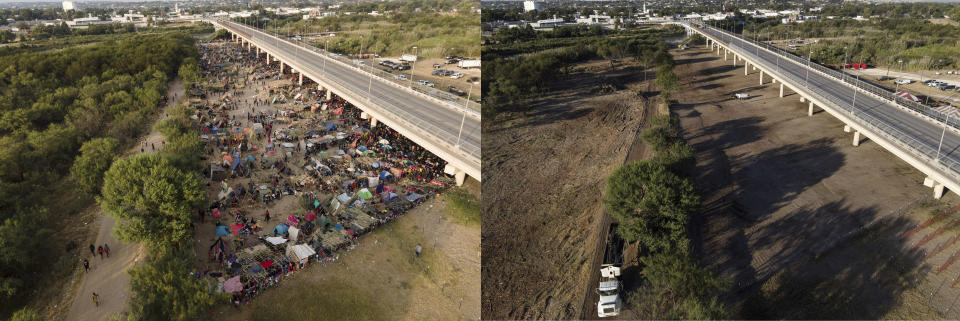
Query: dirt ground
381, 278
107, 276
804, 224
546, 170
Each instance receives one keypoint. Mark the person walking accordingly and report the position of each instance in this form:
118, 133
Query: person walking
86, 265
100, 250
96, 299
106, 249
92, 250
419, 249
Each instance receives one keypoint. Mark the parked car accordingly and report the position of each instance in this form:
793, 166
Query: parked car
437, 72
456, 75
903, 81
456, 91
425, 83
436, 66
400, 76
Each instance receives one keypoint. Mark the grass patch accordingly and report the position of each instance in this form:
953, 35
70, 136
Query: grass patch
337, 299
464, 207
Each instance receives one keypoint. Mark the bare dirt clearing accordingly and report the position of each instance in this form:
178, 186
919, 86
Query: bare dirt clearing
805, 224
546, 167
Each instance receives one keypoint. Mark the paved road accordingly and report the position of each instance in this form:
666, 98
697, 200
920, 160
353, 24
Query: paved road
436, 118
926, 135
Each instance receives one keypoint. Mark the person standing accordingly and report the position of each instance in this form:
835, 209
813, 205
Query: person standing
419, 249
96, 299
106, 249
100, 250
92, 250
86, 265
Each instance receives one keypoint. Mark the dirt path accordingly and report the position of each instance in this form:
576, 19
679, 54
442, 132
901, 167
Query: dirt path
108, 276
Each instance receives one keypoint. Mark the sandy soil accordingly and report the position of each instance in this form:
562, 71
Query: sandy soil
108, 277
546, 169
803, 223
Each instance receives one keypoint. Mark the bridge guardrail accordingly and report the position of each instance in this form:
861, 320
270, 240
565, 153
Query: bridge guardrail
446, 98
896, 136
851, 80
424, 127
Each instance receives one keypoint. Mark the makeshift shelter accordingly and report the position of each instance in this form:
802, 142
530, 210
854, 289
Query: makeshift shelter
222, 230
235, 228
276, 240
294, 233
343, 198
300, 252
908, 96
218, 250
413, 197
281, 229
364, 194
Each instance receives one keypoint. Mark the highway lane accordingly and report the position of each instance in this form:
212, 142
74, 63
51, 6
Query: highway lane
442, 121
926, 134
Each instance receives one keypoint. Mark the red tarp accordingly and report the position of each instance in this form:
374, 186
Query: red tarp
266, 264
236, 228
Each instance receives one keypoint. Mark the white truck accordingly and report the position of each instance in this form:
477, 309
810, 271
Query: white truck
469, 63
610, 302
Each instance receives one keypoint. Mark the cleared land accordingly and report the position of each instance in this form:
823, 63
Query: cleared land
806, 225
546, 168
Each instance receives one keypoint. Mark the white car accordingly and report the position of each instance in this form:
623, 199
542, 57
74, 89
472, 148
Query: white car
425, 83
903, 81
400, 76
456, 75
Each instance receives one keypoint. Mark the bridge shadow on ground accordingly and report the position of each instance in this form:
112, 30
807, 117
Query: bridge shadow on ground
863, 277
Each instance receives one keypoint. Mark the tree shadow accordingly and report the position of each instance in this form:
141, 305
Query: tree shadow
696, 60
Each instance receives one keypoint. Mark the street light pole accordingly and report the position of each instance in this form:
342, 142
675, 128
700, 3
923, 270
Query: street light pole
416, 56
944, 133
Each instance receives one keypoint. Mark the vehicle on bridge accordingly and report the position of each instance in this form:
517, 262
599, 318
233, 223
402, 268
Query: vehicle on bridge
610, 302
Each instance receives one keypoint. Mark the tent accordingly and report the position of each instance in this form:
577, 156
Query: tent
293, 220
413, 197
281, 229
310, 216
233, 285
373, 181
330, 126
222, 230
908, 96
384, 175
218, 250
364, 194
389, 196
301, 252
343, 198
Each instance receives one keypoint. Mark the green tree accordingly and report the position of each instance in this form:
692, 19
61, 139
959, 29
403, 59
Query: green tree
189, 72
154, 198
666, 80
164, 289
652, 204
26, 314
95, 158
677, 288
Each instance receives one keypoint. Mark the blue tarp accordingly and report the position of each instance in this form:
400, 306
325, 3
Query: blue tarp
384, 175
338, 227
413, 197
330, 126
375, 164
281, 229
222, 230
391, 196
236, 161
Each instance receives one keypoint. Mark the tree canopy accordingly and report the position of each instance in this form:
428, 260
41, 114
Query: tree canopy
96, 155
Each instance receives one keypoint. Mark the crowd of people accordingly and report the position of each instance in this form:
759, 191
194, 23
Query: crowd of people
278, 146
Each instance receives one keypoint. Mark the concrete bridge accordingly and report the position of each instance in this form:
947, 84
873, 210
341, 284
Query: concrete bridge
448, 130
922, 137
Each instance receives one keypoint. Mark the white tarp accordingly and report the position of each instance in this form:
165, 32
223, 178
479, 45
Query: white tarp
301, 251
276, 240
293, 231
373, 181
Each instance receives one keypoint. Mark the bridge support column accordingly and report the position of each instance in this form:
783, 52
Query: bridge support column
746, 68
781, 90
364, 115
456, 172
258, 52
373, 122
846, 128
802, 99
301, 79
938, 188
268, 58
724, 54
329, 94
761, 76
856, 138
734, 59
281, 67
810, 109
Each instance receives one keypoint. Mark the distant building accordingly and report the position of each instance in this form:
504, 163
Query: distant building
547, 23
67, 6
532, 5
595, 19
81, 23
